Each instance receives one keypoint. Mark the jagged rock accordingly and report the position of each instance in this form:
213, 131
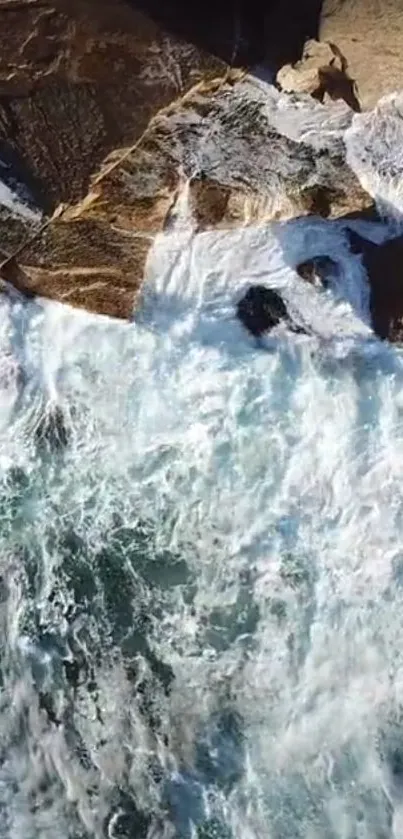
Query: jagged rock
77, 83
369, 34
317, 270
78, 79
261, 309
320, 72
383, 264
222, 156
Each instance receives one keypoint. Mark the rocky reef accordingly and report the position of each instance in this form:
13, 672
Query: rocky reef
120, 121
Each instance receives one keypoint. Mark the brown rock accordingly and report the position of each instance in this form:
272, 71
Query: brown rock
383, 264
214, 157
78, 79
369, 34
120, 131
321, 72
303, 77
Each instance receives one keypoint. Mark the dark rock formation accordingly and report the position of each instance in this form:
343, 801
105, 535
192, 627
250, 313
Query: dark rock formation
384, 266
240, 32
369, 34
261, 309
317, 270
126, 820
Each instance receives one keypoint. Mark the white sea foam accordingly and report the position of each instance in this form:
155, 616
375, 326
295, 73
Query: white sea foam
234, 511
276, 477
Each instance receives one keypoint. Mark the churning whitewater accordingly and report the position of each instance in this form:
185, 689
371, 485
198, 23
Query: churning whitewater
201, 556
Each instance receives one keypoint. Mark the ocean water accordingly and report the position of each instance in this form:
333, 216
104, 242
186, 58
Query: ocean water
201, 556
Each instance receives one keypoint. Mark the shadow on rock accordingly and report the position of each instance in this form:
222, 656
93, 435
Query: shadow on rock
240, 33
383, 264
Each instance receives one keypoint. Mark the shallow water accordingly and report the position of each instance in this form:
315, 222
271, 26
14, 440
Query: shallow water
200, 553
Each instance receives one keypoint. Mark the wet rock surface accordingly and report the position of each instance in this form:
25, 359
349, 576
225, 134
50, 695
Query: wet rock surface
318, 270
109, 116
261, 309
51, 431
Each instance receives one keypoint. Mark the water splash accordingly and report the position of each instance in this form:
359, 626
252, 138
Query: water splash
201, 573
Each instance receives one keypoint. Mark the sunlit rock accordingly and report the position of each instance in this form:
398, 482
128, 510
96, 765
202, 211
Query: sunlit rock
125, 132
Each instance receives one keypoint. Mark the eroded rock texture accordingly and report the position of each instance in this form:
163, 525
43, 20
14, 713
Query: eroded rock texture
118, 128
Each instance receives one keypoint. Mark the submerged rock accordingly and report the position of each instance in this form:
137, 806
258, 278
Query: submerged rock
318, 270
126, 820
383, 264
261, 309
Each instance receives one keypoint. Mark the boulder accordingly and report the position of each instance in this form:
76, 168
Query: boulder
318, 270
321, 72
261, 309
369, 35
384, 267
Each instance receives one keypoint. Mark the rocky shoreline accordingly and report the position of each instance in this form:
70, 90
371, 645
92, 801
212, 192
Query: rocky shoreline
115, 130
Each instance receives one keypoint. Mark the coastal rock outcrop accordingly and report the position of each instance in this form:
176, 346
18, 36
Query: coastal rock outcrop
78, 79
120, 132
221, 156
